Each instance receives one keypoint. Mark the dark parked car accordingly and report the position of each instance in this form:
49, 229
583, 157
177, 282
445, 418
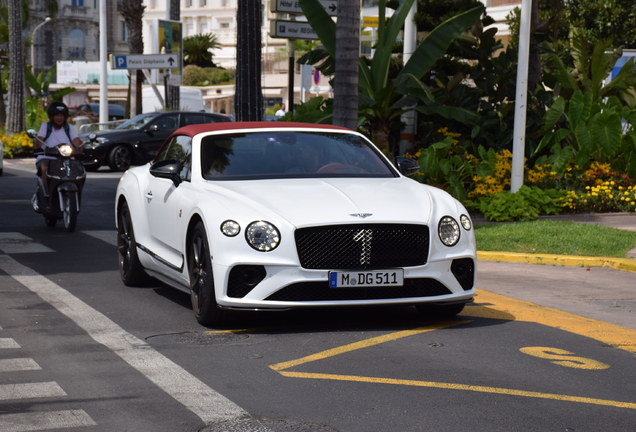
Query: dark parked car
115, 112
137, 140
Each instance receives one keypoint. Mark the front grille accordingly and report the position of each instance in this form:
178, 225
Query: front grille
320, 291
362, 246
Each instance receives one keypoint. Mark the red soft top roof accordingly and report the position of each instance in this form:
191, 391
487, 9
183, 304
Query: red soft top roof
221, 126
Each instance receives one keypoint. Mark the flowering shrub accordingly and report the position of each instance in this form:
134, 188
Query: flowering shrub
493, 184
17, 145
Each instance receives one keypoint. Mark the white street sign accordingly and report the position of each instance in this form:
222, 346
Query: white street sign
292, 30
145, 61
293, 7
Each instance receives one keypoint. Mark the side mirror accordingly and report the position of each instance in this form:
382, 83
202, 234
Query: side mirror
153, 128
32, 133
168, 169
407, 166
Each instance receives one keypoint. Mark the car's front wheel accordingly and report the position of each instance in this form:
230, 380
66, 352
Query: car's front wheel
130, 269
120, 158
202, 293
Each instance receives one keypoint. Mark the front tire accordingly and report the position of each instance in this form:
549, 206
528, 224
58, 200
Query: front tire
202, 294
69, 210
120, 158
130, 269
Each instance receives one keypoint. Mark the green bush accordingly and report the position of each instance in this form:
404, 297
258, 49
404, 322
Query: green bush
527, 204
197, 76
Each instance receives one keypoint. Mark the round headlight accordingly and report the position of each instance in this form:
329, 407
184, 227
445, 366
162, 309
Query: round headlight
448, 231
262, 236
65, 150
230, 228
465, 221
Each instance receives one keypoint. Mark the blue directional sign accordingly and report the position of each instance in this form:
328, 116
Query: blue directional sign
145, 61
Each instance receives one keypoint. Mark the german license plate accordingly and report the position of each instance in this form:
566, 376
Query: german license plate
371, 278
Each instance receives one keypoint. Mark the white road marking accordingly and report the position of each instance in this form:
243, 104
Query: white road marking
203, 401
35, 421
18, 364
30, 390
13, 243
8, 343
108, 236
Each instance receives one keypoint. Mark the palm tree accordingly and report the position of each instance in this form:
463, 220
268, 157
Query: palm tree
248, 99
345, 104
133, 12
16, 120
196, 50
174, 94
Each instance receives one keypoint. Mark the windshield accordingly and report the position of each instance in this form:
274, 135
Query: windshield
137, 122
290, 154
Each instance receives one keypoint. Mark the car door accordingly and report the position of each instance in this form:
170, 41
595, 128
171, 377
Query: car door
163, 212
156, 132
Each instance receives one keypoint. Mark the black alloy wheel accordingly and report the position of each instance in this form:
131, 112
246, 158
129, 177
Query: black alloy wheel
120, 158
202, 295
130, 269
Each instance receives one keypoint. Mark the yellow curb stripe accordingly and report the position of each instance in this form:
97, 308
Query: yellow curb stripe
364, 344
450, 386
564, 260
502, 307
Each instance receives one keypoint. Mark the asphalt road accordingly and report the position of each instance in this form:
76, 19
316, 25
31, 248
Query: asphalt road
80, 351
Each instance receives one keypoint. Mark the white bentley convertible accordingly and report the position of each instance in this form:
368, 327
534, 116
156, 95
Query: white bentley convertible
290, 215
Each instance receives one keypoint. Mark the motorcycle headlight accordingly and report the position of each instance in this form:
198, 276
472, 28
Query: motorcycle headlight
448, 230
262, 236
65, 150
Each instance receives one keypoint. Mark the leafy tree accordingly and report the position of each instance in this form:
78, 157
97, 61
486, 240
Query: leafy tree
383, 101
585, 122
196, 50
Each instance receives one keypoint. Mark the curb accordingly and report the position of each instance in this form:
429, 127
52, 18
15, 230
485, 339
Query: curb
563, 260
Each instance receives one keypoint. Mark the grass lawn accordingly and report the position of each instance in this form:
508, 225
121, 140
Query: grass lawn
555, 237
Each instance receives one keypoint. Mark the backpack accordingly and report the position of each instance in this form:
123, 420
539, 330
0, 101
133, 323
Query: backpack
49, 129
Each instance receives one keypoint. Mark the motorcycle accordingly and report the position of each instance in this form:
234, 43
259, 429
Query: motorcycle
66, 176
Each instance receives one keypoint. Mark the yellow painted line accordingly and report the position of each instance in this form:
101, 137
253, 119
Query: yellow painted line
506, 308
364, 344
450, 386
563, 260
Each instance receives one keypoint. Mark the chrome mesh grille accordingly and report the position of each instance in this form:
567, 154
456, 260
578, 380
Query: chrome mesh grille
362, 246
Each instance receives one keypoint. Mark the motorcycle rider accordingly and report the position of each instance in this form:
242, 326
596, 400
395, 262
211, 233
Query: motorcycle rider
52, 133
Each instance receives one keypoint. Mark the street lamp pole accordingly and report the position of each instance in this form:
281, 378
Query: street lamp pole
47, 19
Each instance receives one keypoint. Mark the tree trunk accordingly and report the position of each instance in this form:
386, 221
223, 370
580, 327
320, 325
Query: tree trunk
248, 97
174, 94
16, 121
133, 12
345, 105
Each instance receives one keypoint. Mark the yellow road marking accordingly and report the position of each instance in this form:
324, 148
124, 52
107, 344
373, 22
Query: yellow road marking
506, 308
450, 386
364, 344
499, 307
564, 358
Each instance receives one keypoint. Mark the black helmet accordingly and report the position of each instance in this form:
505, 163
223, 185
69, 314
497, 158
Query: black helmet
57, 107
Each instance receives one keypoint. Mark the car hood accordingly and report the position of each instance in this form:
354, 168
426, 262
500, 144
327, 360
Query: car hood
304, 202
110, 134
